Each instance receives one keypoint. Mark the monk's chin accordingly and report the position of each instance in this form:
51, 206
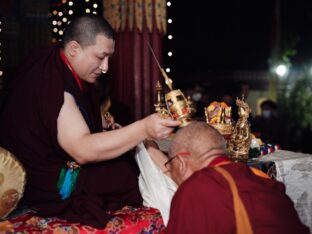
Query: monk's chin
92, 80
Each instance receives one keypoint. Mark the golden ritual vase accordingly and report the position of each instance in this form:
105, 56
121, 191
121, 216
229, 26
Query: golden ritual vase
178, 107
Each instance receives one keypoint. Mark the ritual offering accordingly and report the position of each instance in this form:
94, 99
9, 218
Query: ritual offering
160, 105
176, 105
259, 148
218, 115
239, 143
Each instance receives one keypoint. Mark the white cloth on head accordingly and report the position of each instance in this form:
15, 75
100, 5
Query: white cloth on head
156, 188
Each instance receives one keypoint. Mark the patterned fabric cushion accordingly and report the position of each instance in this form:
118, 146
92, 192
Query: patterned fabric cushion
12, 182
127, 220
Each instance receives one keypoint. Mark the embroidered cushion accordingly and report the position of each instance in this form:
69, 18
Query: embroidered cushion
12, 182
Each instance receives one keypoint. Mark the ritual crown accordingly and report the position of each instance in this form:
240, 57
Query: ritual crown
218, 115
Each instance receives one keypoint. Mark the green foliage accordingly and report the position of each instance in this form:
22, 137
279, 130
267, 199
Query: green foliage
295, 101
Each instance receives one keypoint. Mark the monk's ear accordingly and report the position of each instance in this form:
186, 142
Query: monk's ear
73, 48
182, 165
185, 167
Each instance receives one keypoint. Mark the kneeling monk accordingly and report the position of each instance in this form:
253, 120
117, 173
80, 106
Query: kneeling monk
218, 196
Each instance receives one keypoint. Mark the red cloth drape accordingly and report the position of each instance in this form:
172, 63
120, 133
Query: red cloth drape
134, 71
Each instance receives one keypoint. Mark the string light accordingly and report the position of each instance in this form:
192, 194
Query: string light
170, 36
62, 11
1, 71
91, 6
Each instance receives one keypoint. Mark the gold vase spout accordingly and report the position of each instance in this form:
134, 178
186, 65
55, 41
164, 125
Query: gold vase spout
178, 107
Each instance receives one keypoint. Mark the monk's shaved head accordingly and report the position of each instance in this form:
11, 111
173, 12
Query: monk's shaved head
196, 138
84, 30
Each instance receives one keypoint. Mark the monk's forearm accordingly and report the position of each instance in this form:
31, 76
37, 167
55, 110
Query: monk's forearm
111, 144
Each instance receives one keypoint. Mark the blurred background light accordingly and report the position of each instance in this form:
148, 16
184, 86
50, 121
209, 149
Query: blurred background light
281, 70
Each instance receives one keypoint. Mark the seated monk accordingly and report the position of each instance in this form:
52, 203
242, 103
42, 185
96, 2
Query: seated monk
204, 200
51, 122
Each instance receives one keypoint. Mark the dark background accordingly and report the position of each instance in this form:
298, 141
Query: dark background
212, 36
215, 43
209, 36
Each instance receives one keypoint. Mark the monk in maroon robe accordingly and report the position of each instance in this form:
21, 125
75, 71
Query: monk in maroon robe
51, 122
203, 202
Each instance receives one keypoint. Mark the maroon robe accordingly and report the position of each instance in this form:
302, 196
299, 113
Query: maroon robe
29, 130
204, 204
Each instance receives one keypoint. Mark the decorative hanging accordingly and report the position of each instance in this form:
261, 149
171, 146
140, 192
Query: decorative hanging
127, 13
149, 14
139, 14
161, 15
112, 13
123, 14
130, 14
68, 179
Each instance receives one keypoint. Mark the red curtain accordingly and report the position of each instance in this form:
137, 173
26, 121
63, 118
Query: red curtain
133, 70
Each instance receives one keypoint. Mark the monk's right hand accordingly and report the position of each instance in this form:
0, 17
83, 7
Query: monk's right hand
159, 128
